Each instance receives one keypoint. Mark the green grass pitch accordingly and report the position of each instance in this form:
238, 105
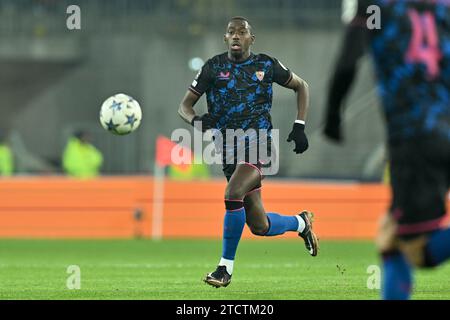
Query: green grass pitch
173, 269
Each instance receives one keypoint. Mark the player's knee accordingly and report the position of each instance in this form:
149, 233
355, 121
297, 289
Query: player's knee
234, 192
386, 239
414, 251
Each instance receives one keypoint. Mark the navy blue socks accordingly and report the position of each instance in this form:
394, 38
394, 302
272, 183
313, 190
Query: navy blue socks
397, 277
232, 227
279, 224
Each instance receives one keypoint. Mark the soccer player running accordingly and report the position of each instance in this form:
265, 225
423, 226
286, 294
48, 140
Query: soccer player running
411, 51
238, 85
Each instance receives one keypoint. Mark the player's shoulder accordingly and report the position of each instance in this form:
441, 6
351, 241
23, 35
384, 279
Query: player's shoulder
217, 59
264, 57
270, 61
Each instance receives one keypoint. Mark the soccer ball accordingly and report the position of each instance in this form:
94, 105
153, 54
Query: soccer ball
120, 114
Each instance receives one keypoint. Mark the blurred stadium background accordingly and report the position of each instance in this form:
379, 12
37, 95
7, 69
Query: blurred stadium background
53, 81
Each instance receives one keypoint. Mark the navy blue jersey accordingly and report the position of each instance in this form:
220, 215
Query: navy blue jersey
239, 95
412, 62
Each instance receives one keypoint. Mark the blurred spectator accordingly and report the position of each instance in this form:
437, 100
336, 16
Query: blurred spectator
80, 158
6, 156
387, 173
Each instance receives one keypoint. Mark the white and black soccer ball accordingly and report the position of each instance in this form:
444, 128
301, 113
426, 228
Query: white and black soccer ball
120, 114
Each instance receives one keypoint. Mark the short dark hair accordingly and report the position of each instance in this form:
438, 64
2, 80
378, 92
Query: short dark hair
241, 18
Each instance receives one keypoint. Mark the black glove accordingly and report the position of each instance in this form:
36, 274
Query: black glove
206, 120
333, 127
298, 135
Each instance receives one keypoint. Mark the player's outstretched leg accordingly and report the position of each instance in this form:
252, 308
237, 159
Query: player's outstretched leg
233, 225
397, 271
308, 235
437, 249
397, 276
243, 179
421, 251
273, 224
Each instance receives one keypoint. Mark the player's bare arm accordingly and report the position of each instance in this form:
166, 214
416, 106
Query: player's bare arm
353, 48
186, 108
301, 87
187, 113
298, 130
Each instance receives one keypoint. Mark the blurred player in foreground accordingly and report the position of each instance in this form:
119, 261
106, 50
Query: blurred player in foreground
238, 85
411, 51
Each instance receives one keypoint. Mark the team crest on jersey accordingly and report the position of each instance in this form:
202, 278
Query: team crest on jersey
260, 75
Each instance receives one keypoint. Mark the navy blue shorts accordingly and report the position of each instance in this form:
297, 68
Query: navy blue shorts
420, 178
258, 153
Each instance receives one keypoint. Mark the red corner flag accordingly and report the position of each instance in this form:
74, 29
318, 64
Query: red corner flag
164, 148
